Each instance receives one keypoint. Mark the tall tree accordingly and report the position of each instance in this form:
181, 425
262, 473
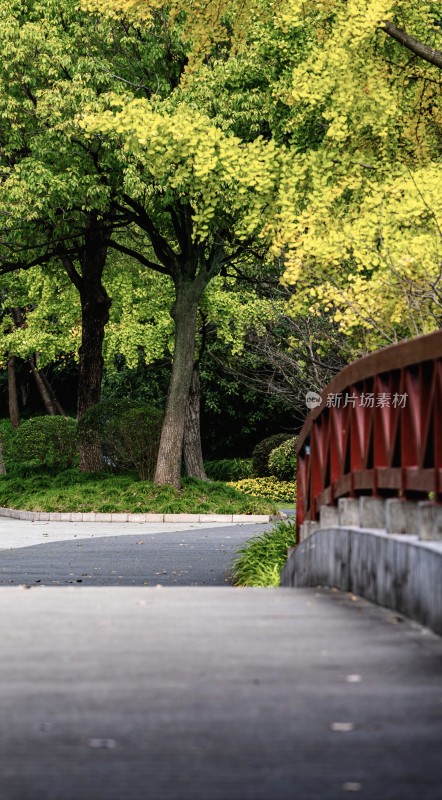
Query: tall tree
58, 187
361, 231
202, 197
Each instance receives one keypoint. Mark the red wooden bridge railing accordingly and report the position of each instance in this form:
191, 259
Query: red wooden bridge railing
377, 430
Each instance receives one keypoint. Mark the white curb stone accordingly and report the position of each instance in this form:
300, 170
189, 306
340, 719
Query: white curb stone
92, 516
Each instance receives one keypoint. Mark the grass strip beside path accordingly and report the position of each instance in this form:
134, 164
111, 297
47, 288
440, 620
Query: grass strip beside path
101, 492
261, 559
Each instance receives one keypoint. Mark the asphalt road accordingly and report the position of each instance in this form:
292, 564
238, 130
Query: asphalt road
138, 556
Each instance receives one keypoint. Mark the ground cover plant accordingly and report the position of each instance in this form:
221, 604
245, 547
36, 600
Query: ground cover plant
72, 490
261, 559
271, 488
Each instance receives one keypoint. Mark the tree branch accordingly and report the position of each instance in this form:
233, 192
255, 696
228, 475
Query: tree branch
161, 246
72, 273
414, 45
139, 257
13, 266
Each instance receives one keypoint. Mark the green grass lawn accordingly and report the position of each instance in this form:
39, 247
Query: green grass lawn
75, 491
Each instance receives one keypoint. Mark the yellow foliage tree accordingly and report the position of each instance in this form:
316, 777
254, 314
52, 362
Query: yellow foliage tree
202, 197
201, 23
360, 228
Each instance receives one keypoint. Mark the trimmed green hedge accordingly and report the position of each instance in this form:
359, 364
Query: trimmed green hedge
48, 443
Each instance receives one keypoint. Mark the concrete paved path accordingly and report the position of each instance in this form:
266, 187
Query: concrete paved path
115, 554
168, 693
215, 694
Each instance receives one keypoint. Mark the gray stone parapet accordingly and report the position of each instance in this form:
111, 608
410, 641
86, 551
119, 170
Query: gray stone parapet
348, 508
328, 517
397, 571
429, 520
401, 516
307, 528
372, 512
394, 515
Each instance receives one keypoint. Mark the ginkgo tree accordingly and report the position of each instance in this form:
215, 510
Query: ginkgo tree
360, 229
353, 89
203, 198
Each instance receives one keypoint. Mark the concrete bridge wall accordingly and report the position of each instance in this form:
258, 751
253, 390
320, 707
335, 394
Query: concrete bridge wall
399, 572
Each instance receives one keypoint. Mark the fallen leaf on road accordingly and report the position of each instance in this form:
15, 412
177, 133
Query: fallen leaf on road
107, 744
342, 726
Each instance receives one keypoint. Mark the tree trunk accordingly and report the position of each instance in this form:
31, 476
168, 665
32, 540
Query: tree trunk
188, 293
44, 394
55, 402
14, 414
193, 454
24, 391
45, 390
95, 305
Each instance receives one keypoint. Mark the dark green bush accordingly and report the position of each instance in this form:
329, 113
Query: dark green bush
43, 442
6, 432
129, 434
228, 469
282, 460
260, 455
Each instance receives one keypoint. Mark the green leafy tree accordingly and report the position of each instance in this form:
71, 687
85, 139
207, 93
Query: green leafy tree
58, 188
202, 197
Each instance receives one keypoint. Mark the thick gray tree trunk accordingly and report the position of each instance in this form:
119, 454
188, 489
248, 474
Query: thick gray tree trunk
192, 450
184, 312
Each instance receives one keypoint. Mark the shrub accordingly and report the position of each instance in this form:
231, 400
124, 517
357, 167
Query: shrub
43, 442
229, 469
261, 559
282, 460
260, 455
6, 432
270, 488
129, 434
